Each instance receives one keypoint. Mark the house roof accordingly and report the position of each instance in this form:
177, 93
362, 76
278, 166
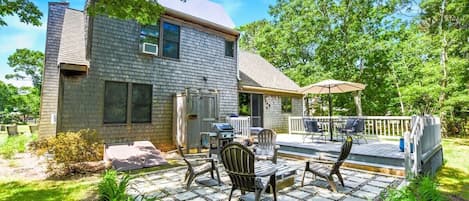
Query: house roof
72, 43
201, 10
255, 71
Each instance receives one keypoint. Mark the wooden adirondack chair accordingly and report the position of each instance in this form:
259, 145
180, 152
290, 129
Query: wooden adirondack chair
327, 171
266, 149
239, 164
195, 168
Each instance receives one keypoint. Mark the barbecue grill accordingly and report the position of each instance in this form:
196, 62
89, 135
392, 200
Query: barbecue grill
220, 135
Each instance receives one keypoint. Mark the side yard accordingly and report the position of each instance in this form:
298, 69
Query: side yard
453, 178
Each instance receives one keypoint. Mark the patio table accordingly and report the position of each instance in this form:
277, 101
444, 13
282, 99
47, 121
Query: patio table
284, 176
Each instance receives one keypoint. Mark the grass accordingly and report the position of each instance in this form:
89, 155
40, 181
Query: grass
49, 190
11, 145
453, 178
69, 189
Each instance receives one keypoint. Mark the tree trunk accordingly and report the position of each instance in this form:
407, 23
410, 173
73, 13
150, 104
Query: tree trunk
358, 102
443, 61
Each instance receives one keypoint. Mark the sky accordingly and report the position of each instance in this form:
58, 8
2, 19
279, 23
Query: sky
19, 35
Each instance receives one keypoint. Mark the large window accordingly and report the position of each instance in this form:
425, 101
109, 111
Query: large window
116, 98
229, 48
141, 103
168, 39
115, 102
286, 104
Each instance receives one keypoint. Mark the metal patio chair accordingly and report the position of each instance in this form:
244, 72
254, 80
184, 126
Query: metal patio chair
312, 127
328, 170
355, 128
266, 149
244, 174
198, 166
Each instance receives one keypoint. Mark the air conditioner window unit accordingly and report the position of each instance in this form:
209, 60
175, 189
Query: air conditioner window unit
150, 48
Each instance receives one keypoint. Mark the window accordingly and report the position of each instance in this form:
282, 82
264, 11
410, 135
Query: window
141, 103
117, 96
150, 34
286, 105
170, 40
244, 104
169, 43
229, 48
115, 102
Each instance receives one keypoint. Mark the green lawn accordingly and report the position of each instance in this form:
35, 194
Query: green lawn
453, 178
71, 189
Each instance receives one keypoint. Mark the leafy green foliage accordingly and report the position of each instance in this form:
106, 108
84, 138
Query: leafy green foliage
143, 11
26, 11
111, 188
368, 41
69, 148
27, 64
423, 188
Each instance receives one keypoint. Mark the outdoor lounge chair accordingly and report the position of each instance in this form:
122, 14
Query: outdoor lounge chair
312, 127
244, 174
266, 149
328, 170
198, 166
354, 127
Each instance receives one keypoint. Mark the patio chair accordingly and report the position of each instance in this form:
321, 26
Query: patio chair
312, 127
328, 170
198, 166
348, 127
354, 128
239, 164
266, 148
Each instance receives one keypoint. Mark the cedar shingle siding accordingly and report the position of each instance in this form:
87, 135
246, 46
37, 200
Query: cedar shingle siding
115, 56
50, 84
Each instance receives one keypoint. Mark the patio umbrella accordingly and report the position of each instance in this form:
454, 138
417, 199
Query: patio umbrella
331, 86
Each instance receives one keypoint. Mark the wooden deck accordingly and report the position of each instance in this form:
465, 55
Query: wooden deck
376, 155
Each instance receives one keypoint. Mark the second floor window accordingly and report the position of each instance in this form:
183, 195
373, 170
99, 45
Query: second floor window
170, 40
163, 43
229, 48
150, 34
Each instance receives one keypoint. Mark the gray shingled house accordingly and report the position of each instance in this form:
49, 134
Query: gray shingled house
266, 94
120, 77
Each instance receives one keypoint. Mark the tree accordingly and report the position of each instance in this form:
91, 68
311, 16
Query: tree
311, 40
26, 11
143, 11
27, 64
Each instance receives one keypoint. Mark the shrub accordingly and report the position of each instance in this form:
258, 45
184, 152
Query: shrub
70, 148
421, 188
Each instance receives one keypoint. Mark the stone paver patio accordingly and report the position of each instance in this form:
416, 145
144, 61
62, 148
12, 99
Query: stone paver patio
168, 185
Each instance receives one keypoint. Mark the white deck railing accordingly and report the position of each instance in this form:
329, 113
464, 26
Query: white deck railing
379, 126
425, 138
241, 125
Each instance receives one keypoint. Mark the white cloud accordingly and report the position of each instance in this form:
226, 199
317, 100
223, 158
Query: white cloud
17, 83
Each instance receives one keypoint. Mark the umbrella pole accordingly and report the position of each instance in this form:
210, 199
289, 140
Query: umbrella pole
330, 113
